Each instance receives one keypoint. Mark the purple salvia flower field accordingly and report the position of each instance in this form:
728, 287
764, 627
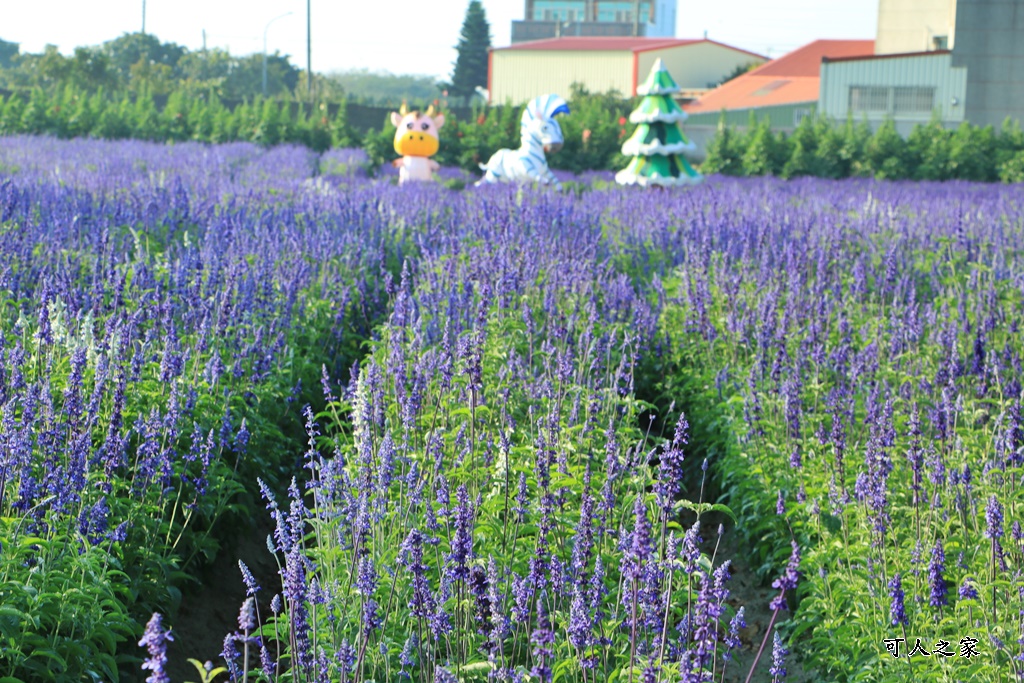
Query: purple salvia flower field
486, 428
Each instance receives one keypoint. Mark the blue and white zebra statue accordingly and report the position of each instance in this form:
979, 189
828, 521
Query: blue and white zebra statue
540, 134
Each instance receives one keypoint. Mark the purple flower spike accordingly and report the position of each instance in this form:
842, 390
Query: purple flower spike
779, 652
993, 518
247, 616
443, 675
732, 638
936, 567
250, 582
155, 640
897, 613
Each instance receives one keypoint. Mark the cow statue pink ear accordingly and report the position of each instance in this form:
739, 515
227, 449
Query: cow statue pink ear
396, 119
439, 121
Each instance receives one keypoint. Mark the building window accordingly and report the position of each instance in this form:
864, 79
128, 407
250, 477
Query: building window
800, 114
558, 10
940, 42
913, 100
869, 99
903, 99
622, 10
898, 100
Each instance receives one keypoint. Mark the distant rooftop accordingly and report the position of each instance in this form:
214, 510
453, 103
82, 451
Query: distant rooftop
792, 78
615, 44
806, 60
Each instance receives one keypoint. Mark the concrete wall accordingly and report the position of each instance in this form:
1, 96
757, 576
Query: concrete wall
934, 70
518, 76
701, 128
990, 46
696, 65
782, 117
910, 25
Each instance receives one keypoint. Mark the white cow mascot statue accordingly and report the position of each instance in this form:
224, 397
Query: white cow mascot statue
540, 134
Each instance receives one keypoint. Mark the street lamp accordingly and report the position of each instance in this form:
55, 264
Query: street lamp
265, 49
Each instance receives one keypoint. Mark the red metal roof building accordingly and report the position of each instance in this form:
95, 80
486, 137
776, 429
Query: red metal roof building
522, 71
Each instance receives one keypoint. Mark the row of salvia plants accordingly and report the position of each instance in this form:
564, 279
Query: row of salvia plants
859, 353
485, 494
161, 327
481, 481
487, 499
822, 148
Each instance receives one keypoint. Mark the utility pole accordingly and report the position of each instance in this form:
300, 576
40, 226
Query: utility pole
204, 40
143, 17
309, 55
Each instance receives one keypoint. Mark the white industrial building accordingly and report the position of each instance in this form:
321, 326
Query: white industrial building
959, 60
907, 88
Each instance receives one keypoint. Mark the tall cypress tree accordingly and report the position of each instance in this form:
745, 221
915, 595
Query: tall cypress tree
474, 42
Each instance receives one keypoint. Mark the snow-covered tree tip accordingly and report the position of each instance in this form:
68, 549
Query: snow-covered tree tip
658, 82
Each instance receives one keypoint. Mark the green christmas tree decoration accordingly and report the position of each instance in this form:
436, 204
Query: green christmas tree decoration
657, 144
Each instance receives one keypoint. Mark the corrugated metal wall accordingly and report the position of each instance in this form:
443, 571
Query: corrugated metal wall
697, 65
518, 76
934, 70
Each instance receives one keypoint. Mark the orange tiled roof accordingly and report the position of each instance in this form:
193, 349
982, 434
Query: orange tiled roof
788, 79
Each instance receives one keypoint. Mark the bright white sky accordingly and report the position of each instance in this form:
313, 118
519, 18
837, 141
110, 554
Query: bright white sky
401, 36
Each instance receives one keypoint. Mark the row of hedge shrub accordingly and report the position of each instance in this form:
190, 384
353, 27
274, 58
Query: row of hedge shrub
593, 136
819, 147
74, 113
466, 140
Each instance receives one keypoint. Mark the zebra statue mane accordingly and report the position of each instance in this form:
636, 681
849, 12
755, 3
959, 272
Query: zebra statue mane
539, 134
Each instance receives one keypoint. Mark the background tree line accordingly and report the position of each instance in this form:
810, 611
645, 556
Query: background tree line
137, 63
140, 63
136, 86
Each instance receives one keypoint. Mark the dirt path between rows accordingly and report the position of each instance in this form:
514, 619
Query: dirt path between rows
209, 611
748, 591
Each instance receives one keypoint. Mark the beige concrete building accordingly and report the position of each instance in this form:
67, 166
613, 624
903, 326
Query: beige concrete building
915, 26
518, 73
